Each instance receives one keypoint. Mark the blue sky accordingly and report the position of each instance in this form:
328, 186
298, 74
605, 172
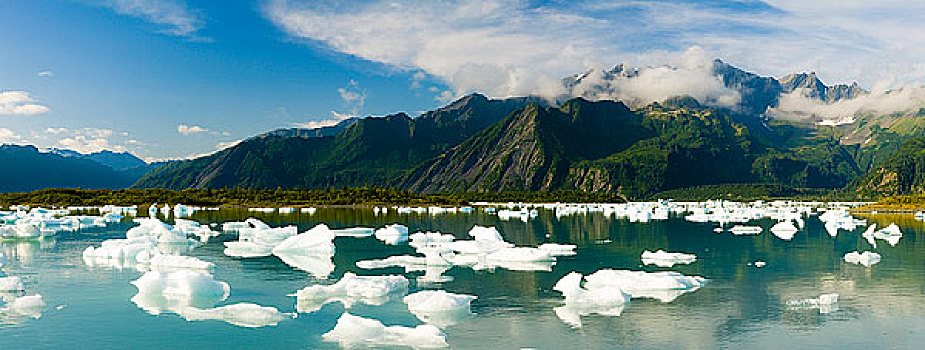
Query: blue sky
173, 78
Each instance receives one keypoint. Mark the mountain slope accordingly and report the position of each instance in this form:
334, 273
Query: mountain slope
27, 169
372, 151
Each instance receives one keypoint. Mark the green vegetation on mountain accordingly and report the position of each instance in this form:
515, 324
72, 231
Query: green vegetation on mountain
24, 168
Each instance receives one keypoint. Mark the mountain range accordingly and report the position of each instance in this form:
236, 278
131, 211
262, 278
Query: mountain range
528, 143
27, 169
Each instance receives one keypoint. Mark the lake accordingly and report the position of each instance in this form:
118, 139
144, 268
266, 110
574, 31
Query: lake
742, 306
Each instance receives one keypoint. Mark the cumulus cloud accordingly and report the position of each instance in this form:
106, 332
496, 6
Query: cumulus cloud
799, 107
20, 103
190, 129
173, 16
56, 131
692, 76
515, 48
8, 136
46, 74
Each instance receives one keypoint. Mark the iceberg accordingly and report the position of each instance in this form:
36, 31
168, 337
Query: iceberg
558, 249
741, 230
439, 307
120, 253
891, 234
28, 306
866, 258
354, 232
784, 230
319, 241
665, 286
11, 284
371, 290
420, 240
159, 292
392, 234
162, 262
662, 258
352, 331
607, 300
241, 314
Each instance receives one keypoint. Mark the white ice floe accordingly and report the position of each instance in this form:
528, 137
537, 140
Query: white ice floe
318, 241
662, 258
664, 286
352, 331
839, 219
759, 264
891, 234
419, 240
25, 306
311, 251
784, 230
372, 290
255, 238
160, 292
392, 234
163, 262
120, 253
866, 258
744, 230
439, 307
241, 314
558, 249
826, 303
354, 232
192, 228
11, 284
607, 300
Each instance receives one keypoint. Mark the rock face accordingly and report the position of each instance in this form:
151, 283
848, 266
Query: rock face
810, 86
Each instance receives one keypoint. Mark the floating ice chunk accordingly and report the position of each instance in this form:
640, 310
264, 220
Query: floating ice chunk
662, 258
192, 228
317, 241
438, 307
891, 234
664, 286
486, 234
308, 210
120, 253
319, 266
174, 291
354, 232
409, 262
558, 249
11, 284
759, 264
520, 254
740, 230
608, 300
392, 234
162, 262
241, 314
29, 306
247, 249
784, 230
351, 331
826, 303
429, 239
866, 258
372, 290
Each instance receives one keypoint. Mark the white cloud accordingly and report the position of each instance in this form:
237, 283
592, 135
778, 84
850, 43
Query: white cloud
19, 103
314, 124
174, 16
514, 48
88, 144
46, 74
56, 131
190, 129
797, 106
8, 136
354, 97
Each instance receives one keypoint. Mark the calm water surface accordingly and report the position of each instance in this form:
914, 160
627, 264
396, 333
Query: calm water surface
742, 306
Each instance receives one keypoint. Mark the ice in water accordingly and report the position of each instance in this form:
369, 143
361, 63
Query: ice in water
353, 331
351, 289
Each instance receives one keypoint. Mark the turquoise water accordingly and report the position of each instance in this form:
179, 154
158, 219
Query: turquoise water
741, 307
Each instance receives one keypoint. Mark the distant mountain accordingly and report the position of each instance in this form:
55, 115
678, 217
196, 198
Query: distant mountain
371, 151
116, 160
312, 132
810, 86
29, 169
